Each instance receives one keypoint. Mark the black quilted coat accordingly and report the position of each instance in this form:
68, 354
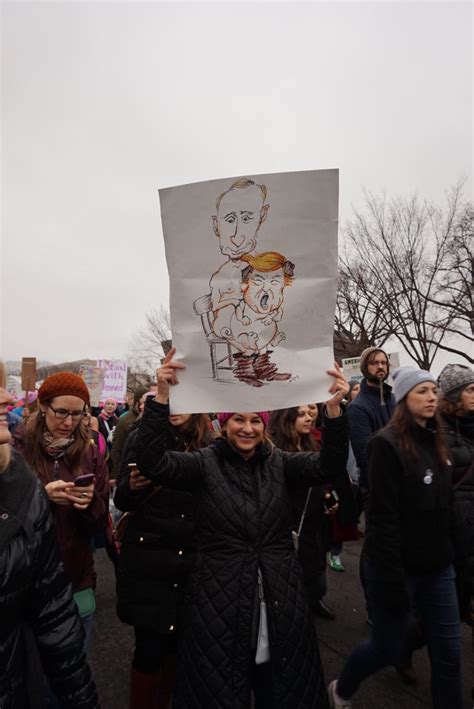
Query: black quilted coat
36, 600
157, 551
243, 522
459, 433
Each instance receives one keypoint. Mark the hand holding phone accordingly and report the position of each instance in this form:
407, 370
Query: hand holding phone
137, 481
84, 480
331, 502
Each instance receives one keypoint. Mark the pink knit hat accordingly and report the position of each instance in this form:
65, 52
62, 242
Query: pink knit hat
225, 416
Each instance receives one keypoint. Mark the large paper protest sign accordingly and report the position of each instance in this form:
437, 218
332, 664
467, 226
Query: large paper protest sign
253, 274
94, 378
115, 382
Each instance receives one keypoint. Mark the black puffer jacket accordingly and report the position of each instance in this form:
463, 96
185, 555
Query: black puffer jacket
35, 596
459, 433
243, 522
409, 510
157, 551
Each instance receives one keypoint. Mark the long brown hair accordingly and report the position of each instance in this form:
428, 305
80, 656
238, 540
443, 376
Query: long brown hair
35, 451
194, 434
405, 425
283, 433
449, 409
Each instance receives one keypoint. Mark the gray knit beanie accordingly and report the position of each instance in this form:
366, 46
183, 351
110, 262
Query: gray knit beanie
453, 379
405, 378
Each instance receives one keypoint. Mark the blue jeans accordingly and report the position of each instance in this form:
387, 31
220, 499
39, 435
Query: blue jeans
434, 597
87, 625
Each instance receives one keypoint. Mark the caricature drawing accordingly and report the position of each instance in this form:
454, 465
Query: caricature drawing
240, 211
254, 332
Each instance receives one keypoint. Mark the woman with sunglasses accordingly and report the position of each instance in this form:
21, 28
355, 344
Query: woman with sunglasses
74, 475
248, 624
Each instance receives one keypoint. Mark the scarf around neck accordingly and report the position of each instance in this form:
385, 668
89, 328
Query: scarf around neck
56, 447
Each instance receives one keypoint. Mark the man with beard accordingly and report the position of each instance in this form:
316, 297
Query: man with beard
370, 411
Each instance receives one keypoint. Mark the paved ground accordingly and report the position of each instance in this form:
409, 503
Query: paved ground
113, 643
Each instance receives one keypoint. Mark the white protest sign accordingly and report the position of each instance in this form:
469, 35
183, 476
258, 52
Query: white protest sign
253, 276
351, 366
115, 382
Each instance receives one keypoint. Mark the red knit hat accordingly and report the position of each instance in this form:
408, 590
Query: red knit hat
63, 384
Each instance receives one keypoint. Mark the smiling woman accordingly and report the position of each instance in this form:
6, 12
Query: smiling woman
249, 624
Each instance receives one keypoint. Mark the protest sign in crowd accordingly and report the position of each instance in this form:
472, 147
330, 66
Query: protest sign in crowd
222, 524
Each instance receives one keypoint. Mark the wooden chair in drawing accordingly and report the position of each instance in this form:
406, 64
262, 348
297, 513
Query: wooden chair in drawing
203, 308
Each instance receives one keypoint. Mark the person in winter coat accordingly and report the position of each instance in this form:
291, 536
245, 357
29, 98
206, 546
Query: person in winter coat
371, 409
344, 526
121, 430
60, 451
108, 420
37, 611
156, 557
408, 549
456, 405
248, 622
456, 383
290, 430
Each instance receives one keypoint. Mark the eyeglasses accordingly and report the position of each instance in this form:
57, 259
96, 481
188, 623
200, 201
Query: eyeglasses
62, 414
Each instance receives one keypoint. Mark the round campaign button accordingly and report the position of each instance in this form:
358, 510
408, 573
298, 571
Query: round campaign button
428, 477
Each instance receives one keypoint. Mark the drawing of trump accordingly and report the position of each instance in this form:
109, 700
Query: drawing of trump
240, 211
263, 281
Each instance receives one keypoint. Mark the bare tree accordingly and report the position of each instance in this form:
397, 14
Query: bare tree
359, 320
402, 247
148, 344
454, 293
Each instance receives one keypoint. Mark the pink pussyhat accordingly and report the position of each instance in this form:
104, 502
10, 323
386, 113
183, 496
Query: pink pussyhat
225, 416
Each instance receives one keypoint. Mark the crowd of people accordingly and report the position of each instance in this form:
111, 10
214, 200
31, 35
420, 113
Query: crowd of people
222, 529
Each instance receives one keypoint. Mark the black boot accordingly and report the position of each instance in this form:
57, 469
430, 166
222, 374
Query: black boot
267, 370
244, 369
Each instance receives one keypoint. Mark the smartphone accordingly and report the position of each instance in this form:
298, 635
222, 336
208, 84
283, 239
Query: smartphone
330, 501
84, 480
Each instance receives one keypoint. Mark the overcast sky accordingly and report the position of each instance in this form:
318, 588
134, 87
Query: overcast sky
104, 103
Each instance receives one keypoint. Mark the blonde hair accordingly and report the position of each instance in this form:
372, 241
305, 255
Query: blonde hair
242, 184
267, 262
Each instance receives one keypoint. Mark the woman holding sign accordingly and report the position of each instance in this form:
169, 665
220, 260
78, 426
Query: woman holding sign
249, 625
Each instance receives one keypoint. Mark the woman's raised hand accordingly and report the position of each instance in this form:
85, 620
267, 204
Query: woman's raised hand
166, 376
339, 389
